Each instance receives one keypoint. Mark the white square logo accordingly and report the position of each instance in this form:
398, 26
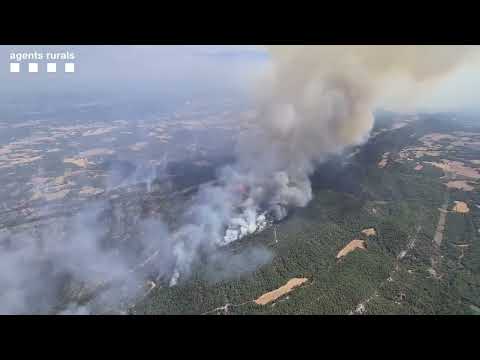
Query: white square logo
32, 67
14, 67
51, 67
69, 67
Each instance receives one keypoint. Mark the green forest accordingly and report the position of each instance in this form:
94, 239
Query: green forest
402, 271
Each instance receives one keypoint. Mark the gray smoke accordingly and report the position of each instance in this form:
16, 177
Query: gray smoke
67, 259
319, 101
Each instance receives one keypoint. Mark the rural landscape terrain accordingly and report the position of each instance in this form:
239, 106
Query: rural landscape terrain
240, 179
393, 226
393, 229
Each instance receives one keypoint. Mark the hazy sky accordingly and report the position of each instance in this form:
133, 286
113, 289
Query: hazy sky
458, 90
461, 90
196, 69
137, 68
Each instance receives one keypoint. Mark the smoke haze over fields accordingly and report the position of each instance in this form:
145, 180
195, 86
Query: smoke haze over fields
312, 101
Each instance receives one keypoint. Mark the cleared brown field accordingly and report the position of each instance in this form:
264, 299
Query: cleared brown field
369, 232
351, 246
461, 207
285, 289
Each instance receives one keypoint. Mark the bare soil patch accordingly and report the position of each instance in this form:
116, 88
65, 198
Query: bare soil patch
351, 246
430, 139
461, 207
89, 190
285, 289
81, 162
97, 152
456, 167
460, 184
369, 232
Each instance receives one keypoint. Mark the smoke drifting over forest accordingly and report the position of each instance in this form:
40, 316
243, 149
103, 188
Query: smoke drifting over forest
319, 101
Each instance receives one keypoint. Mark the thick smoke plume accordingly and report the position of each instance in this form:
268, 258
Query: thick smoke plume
319, 101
